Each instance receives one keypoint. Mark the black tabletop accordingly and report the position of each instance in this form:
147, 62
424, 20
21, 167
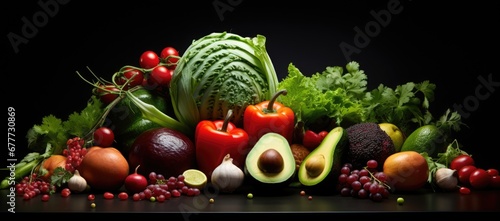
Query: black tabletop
287, 202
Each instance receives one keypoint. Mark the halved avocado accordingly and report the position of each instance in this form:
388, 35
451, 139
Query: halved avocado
271, 161
322, 165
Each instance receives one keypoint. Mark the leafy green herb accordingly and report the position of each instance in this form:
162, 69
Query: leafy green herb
443, 161
60, 176
340, 96
56, 132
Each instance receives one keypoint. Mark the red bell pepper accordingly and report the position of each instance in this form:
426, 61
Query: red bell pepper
311, 139
269, 116
216, 139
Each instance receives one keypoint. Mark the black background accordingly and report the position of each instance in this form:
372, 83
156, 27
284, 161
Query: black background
449, 44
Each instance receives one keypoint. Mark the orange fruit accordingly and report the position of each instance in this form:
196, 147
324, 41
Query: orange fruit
104, 168
50, 164
406, 171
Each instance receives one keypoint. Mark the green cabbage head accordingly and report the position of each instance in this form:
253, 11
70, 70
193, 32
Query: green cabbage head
218, 72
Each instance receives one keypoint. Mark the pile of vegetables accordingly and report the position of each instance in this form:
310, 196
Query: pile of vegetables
224, 72
218, 72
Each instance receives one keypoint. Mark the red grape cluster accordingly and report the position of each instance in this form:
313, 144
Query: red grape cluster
364, 183
74, 153
161, 189
30, 188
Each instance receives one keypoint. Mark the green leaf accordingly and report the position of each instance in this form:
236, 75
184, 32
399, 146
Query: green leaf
60, 176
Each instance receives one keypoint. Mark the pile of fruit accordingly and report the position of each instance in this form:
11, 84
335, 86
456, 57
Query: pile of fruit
178, 125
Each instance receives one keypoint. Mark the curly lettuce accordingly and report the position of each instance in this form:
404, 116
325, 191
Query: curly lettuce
340, 97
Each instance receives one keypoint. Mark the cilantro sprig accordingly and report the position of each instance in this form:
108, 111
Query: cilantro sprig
56, 132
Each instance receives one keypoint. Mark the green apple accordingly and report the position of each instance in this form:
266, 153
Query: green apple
395, 133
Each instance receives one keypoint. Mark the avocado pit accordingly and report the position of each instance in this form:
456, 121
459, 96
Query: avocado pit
270, 161
315, 165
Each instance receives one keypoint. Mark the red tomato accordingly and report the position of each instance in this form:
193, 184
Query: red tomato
130, 73
460, 161
108, 195
170, 56
123, 195
160, 76
495, 181
65, 192
464, 174
107, 93
104, 137
149, 59
492, 172
479, 179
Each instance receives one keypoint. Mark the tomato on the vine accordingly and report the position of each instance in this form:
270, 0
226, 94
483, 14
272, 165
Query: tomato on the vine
106, 93
160, 76
134, 74
461, 161
104, 137
149, 59
170, 55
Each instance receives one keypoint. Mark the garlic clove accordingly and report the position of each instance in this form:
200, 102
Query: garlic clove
227, 177
446, 179
77, 183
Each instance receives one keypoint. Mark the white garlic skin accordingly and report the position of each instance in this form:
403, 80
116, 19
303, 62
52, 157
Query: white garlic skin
77, 183
446, 179
227, 177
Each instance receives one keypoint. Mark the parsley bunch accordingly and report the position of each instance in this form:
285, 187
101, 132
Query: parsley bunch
340, 97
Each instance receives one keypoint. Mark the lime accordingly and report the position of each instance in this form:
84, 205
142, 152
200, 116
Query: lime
427, 138
195, 178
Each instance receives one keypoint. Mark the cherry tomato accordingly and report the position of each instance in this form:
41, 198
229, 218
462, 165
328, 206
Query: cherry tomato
464, 190
460, 161
492, 172
45, 197
108, 195
160, 76
464, 174
495, 181
107, 93
149, 59
479, 179
65, 192
123, 195
104, 137
169, 56
136, 75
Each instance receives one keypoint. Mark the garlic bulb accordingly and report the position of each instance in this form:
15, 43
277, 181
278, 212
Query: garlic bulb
77, 183
227, 177
446, 178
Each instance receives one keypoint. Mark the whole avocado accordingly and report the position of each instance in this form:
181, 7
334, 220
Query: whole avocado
367, 141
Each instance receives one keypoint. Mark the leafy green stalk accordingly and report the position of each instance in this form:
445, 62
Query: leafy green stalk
443, 161
56, 132
26, 166
152, 113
